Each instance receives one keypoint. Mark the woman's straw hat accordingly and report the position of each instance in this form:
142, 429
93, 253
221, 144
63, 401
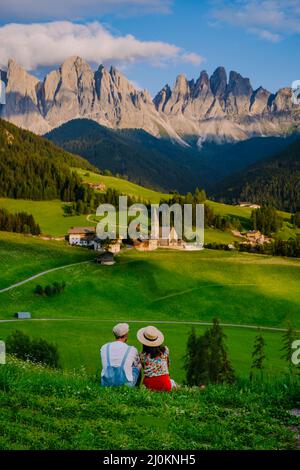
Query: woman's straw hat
150, 336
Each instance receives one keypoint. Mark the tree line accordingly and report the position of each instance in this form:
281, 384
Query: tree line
210, 218
21, 222
207, 360
33, 168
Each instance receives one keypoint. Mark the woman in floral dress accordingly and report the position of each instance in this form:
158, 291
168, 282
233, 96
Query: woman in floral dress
155, 360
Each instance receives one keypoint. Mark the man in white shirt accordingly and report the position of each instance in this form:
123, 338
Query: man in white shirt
120, 362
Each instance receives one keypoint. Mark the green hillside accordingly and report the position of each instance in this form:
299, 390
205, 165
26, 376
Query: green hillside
122, 185
22, 256
49, 214
159, 163
275, 181
148, 288
151, 162
53, 410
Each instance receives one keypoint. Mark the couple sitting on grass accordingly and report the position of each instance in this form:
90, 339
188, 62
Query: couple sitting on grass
122, 364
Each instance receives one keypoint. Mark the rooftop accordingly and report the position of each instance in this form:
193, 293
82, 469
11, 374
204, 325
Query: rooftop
81, 230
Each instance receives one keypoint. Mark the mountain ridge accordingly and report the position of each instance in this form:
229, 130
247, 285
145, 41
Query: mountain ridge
157, 163
214, 108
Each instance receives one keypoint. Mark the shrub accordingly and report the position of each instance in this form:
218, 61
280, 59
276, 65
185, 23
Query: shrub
50, 289
35, 350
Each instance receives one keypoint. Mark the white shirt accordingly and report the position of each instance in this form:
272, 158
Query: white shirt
117, 352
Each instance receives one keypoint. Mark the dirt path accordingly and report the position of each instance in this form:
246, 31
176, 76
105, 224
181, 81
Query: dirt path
163, 322
13, 286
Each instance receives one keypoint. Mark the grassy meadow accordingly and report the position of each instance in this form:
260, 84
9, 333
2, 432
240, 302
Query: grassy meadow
54, 410
23, 256
51, 217
48, 214
143, 288
79, 342
124, 186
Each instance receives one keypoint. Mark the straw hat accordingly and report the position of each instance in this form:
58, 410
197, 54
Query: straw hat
150, 336
121, 329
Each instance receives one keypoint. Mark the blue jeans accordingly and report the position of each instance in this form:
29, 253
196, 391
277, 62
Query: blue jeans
135, 375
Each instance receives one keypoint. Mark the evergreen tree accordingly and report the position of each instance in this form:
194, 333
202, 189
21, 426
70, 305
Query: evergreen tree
258, 355
191, 359
207, 360
220, 368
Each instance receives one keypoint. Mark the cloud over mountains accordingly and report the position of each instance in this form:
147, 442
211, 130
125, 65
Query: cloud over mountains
271, 20
48, 44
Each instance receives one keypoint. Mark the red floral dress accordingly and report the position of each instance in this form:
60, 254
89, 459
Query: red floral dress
156, 371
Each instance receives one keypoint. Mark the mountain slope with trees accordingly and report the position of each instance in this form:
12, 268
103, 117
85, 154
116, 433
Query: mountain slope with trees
273, 181
159, 163
33, 168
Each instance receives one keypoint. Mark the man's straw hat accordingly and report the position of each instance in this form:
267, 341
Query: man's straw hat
121, 329
150, 336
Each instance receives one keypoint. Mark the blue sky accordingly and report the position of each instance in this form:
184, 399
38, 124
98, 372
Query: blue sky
260, 40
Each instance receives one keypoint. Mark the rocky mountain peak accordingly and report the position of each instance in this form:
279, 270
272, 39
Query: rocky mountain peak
162, 97
210, 108
202, 85
239, 85
218, 81
181, 85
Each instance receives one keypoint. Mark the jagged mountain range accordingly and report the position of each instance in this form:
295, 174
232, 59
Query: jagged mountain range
215, 108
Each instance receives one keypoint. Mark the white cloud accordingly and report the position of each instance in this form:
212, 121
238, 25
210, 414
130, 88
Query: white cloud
271, 20
49, 44
43, 10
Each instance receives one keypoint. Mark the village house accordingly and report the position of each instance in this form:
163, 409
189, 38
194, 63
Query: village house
249, 204
23, 315
171, 241
82, 236
145, 245
106, 259
255, 236
115, 245
98, 186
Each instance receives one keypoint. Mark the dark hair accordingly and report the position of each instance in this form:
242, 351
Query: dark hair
120, 337
154, 351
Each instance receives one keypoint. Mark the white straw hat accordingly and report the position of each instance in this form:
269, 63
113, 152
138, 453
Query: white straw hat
150, 336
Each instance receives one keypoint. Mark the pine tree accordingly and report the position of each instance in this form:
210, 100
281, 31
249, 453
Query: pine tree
258, 355
288, 337
190, 359
220, 368
207, 360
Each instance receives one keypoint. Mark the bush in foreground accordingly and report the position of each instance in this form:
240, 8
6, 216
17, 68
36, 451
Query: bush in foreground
35, 350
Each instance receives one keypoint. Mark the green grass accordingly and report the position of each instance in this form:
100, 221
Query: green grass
49, 214
79, 342
218, 236
125, 187
238, 288
23, 256
42, 409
